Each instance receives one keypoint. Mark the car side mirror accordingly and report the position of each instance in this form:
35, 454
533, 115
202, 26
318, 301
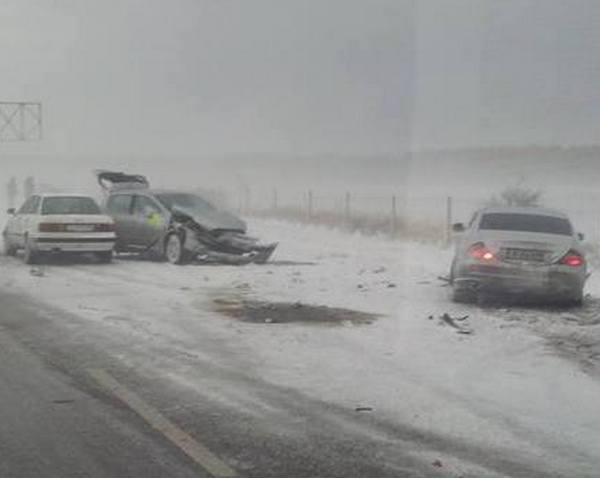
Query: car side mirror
580, 236
11, 211
458, 227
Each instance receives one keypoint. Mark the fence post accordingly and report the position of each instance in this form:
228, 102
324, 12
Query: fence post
347, 210
309, 205
247, 207
274, 204
394, 217
448, 231
240, 202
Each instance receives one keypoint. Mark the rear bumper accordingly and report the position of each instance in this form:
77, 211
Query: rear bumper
541, 281
71, 244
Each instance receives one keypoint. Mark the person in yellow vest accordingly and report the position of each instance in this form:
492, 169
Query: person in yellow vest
155, 220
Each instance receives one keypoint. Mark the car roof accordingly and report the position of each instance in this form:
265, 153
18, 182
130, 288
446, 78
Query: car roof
147, 191
540, 211
61, 195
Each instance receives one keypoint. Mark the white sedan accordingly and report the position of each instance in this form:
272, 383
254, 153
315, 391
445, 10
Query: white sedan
59, 223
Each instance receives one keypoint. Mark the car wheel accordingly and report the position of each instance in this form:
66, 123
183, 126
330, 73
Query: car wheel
576, 300
30, 256
175, 253
463, 295
576, 303
451, 275
104, 257
9, 249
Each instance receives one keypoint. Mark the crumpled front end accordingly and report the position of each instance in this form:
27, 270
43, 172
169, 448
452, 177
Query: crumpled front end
221, 246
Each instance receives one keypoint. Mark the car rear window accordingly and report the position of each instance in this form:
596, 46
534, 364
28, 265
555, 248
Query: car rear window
70, 205
526, 223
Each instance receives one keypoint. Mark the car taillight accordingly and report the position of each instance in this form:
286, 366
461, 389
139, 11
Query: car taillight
481, 253
51, 227
105, 227
572, 259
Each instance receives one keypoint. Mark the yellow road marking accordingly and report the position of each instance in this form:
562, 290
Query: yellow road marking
192, 448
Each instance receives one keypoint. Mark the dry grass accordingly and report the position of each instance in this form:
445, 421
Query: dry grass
422, 230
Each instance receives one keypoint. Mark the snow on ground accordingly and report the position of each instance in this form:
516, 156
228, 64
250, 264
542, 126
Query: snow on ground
509, 385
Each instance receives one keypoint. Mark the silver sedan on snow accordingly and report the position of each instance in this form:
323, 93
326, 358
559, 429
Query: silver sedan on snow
527, 252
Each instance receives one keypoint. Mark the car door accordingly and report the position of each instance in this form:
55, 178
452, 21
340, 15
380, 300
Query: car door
150, 220
119, 207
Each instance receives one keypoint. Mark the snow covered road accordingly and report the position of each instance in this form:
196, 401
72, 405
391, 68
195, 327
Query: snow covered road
517, 397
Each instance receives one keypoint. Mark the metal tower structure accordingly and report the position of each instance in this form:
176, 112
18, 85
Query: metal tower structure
20, 121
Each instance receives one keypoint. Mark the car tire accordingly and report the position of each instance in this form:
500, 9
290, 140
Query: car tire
104, 257
576, 303
576, 300
9, 249
463, 295
30, 256
451, 275
175, 252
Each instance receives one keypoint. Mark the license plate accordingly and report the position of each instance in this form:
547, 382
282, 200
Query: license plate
80, 227
523, 255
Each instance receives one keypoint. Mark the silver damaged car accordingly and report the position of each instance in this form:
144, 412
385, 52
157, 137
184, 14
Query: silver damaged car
176, 225
530, 253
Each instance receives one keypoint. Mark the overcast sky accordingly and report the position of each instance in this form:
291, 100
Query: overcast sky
302, 76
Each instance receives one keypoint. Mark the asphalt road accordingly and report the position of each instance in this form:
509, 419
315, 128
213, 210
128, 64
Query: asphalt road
52, 428
60, 418
81, 401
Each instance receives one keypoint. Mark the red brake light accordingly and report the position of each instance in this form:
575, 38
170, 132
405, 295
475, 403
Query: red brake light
572, 259
481, 253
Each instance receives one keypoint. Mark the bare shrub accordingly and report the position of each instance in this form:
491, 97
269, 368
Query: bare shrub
517, 195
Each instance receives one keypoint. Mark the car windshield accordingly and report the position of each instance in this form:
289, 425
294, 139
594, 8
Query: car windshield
186, 201
69, 205
526, 223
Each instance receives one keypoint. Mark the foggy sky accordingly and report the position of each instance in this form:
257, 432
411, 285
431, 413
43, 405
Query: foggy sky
302, 76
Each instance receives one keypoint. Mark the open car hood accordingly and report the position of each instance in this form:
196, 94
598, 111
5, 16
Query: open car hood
112, 180
213, 219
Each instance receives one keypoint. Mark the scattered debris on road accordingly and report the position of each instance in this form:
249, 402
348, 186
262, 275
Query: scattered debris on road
37, 272
445, 318
446, 280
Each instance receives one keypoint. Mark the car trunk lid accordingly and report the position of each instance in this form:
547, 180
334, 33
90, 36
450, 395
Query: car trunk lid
527, 247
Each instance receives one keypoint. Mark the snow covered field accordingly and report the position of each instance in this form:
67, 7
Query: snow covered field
520, 390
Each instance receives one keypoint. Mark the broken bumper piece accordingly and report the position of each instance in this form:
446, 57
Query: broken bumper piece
258, 256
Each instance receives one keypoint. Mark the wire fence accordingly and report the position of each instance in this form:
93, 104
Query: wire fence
425, 218
391, 214
419, 216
